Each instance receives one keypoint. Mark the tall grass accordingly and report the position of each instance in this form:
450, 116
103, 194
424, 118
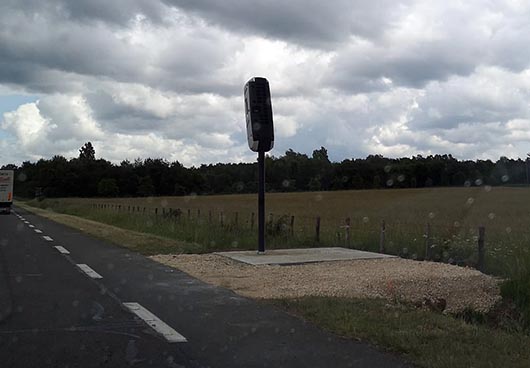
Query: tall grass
454, 215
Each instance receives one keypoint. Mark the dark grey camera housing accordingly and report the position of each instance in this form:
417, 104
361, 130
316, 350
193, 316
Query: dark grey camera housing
258, 112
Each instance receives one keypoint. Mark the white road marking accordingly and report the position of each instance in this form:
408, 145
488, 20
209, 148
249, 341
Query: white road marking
155, 323
26, 222
38, 231
90, 272
62, 249
32, 226
46, 237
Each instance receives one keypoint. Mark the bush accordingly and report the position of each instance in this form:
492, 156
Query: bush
518, 291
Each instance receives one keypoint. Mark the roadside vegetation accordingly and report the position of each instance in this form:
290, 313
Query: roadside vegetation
426, 338
230, 222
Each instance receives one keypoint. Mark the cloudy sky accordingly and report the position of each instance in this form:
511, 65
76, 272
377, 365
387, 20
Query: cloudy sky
164, 78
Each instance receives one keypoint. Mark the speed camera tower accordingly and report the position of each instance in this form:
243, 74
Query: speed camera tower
260, 135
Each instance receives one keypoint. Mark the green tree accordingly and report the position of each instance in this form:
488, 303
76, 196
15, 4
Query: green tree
315, 184
146, 187
108, 188
87, 152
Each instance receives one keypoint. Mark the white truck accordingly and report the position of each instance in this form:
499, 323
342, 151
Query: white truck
6, 190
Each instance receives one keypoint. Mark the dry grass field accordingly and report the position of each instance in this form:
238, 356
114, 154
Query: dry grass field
454, 215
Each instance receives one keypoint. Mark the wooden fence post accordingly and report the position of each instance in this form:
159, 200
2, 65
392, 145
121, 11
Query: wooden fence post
428, 255
382, 237
481, 235
348, 238
317, 229
291, 226
198, 214
156, 211
189, 214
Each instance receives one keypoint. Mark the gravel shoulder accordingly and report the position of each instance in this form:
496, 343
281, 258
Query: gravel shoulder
455, 287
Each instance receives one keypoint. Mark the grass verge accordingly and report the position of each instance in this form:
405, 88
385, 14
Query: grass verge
146, 244
425, 338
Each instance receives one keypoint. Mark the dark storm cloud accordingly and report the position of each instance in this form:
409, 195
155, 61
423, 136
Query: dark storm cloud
118, 12
121, 118
38, 44
312, 23
434, 43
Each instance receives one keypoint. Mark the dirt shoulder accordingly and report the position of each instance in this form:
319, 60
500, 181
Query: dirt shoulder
455, 288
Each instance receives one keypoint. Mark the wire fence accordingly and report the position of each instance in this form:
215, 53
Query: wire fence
408, 240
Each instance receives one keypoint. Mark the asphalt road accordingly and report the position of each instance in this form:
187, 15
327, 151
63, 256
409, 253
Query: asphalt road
55, 314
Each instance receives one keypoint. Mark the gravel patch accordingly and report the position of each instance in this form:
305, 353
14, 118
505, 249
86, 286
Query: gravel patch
436, 285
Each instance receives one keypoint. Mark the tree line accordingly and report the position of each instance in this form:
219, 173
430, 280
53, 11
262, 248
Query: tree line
87, 176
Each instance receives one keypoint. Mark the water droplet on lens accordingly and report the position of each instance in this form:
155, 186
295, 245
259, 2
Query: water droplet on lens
366, 219
470, 200
508, 230
401, 178
491, 216
505, 178
467, 183
487, 188
431, 215
389, 182
478, 182
388, 168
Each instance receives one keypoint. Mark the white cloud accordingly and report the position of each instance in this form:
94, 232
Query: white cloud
165, 79
30, 129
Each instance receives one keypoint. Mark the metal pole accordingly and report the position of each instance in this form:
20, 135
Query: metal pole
527, 171
261, 202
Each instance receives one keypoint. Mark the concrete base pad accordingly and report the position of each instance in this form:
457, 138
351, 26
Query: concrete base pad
298, 256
